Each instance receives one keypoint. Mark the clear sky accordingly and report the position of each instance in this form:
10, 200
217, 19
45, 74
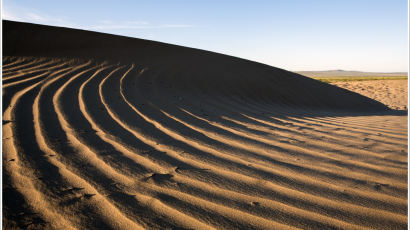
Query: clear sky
365, 35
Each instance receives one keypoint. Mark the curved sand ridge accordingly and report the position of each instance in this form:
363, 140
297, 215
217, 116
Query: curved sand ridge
156, 145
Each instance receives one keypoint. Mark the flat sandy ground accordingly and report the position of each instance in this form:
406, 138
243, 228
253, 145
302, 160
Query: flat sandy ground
392, 93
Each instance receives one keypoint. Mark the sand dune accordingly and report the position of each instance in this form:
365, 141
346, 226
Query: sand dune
108, 132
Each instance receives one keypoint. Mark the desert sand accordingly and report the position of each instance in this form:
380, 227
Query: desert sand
109, 132
329, 74
392, 93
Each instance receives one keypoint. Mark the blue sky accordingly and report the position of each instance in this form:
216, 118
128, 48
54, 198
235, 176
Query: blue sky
365, 35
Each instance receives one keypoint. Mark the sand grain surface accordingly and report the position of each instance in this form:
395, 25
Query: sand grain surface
392, 93
160, 139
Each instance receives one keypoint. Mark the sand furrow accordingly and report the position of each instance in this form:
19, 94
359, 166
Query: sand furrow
297, 154
21, 77
156, 125
22, 170
318, 139
379, 123
340, 149
305, 219
26, 72
324, 130
31, 78
77, 182
105, 136
102, 210
89, 155
294, 139
49, 172
106, 207
282, 167
143, 212
12, 61
31, 63
81, 129
13, 89
282, 161
395, 135
238, 164
270, 140
291, 119
230, 107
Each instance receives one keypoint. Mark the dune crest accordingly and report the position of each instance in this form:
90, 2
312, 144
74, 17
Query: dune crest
108, 132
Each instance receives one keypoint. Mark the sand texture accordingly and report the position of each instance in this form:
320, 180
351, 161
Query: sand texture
392, 93
108, 132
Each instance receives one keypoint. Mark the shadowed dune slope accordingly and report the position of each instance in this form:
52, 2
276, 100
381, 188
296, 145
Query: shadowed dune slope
108, 132
186, 69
